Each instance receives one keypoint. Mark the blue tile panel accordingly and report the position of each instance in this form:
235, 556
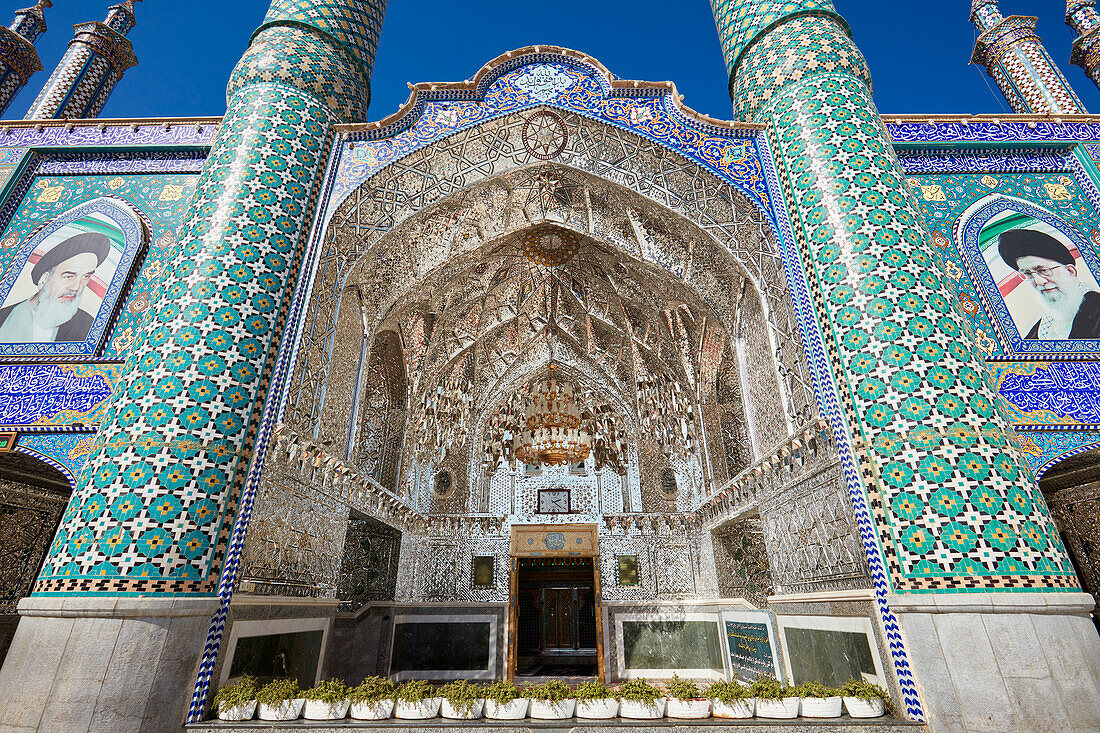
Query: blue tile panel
18, 56
955, 510
1081, 15
1016, 59
157, 499
93, 64
943, 496
740, 21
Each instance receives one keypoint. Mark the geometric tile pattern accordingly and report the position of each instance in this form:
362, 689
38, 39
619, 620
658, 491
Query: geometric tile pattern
954, 501
93, 64
157, 499
791, 52
30, 23
925, 448
18, 57
325, 49
1015, 57
356, 25
739, 21
1081, 15
811, 536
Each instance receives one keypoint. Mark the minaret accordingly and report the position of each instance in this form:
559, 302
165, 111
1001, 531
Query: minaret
905, 390
1081, 15
98, 56
1015, 57
164, 488
18, 57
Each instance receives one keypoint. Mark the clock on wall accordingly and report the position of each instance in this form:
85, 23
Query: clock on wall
553, 501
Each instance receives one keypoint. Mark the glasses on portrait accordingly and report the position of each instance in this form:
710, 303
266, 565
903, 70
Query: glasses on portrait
1036, 273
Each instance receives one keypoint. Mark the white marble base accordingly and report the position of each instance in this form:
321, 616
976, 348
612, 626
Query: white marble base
126, 665
1027, 662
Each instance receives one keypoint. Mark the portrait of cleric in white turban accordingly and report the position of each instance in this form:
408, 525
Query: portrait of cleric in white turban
60, 289
1051, 294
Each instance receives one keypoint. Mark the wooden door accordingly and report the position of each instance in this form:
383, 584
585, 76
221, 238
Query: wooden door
558, 612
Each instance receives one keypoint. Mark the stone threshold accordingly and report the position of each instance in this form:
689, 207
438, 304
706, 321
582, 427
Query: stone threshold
442, 725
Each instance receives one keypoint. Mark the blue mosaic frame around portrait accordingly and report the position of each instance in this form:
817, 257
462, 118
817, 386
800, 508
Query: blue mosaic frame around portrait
995, 305
135, 239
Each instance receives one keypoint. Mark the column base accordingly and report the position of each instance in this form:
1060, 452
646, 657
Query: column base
126, 665
1004, 661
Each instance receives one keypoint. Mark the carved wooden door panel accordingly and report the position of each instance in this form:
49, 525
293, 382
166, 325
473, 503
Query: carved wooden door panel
558, 610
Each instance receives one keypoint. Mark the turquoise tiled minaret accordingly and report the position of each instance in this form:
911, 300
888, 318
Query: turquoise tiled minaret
95, 61
18, 57
159, 498
945, 501
1014, 56
1082, 17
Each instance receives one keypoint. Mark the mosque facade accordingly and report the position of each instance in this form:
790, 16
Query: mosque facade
267, 381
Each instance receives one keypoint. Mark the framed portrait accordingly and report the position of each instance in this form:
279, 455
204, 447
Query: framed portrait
59, 293
1037, 276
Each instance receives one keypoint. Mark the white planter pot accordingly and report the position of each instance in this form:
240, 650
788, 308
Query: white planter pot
857, 708
542, 710
691, 709
514, 710
285, 710
785, 708
320, 710
604, 709
421, 710
377, 710
821, 707
474, 712
640, 711
739, 709
240, 712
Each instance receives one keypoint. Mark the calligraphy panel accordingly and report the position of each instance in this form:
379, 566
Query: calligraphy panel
54, 394
748, 638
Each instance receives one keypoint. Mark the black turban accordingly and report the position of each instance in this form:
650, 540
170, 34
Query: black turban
92, 242
1017, 243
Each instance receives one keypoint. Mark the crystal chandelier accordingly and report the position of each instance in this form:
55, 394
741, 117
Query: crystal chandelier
551, 432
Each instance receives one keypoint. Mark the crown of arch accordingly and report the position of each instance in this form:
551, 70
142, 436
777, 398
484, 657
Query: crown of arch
444, 201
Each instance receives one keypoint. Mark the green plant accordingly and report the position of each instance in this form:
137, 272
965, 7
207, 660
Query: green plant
550, 691
727, 692
502, 692
638, 690
277, 691
329, 691
462, 695
867, 692
372, 689
240, 692
593, 690
415, 691
769, 688
814, 689
683, 689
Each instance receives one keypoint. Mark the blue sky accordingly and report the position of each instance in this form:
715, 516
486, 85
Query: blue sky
918, 51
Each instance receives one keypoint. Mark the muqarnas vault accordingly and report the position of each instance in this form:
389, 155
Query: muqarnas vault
547, 374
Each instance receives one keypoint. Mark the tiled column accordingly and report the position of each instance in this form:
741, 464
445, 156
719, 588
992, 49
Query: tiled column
1082, 17
1014, 56
945, 503
18, 57
163, 501
95, 61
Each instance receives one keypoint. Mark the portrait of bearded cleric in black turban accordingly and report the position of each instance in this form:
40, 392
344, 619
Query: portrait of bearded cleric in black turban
57, 283
1056, 280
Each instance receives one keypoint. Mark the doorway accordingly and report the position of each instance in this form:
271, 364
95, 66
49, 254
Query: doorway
556, 629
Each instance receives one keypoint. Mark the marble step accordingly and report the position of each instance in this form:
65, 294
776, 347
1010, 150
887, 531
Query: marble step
665, 725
